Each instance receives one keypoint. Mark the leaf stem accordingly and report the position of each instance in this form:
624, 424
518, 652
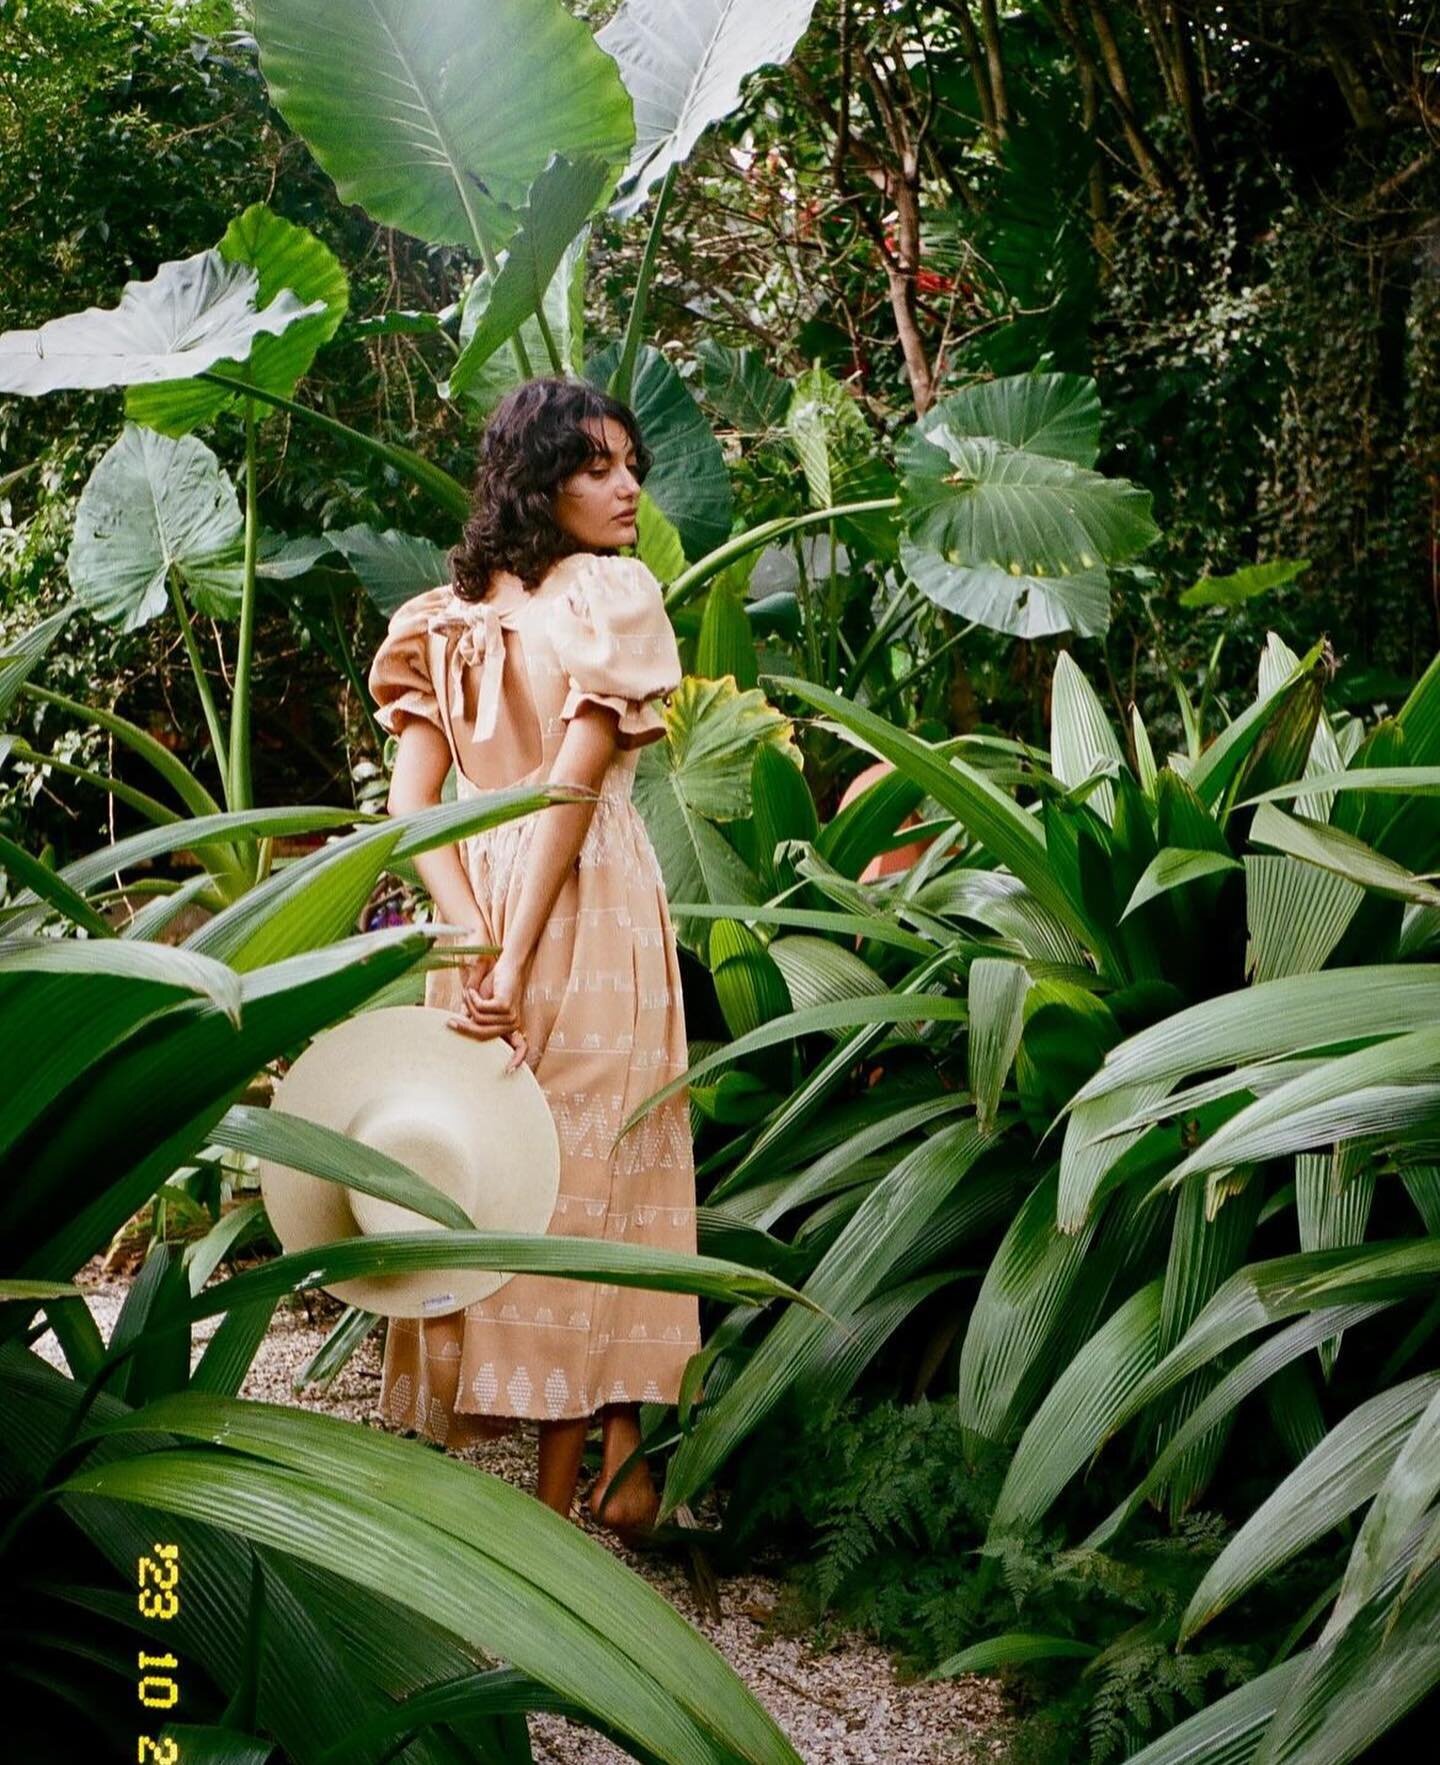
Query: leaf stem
241, 792
218, 743
623, 379
690, 581
447, 492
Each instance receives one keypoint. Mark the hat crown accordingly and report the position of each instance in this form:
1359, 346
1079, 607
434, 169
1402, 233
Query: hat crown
427, 1135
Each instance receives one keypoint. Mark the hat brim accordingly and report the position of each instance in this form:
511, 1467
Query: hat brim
404, 1052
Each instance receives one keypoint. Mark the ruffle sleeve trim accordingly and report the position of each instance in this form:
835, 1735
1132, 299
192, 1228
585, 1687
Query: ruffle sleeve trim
399, 678
615, 642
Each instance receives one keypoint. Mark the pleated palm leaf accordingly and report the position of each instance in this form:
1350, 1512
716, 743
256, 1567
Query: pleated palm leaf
1193, 1037
329, 1575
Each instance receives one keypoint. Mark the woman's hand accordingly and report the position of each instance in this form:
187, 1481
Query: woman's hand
492, 1004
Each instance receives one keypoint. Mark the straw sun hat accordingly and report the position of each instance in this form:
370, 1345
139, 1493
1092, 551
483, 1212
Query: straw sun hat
399, 1080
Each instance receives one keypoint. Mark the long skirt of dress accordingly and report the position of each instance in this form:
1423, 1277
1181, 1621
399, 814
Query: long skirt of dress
603, 1005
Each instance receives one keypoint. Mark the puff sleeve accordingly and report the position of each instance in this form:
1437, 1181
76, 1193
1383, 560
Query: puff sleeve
399, 679
613, 638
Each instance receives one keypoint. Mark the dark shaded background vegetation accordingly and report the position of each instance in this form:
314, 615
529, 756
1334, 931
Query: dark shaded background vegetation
1226, 211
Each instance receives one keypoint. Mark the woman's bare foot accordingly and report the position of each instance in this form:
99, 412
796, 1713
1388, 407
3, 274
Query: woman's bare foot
628, 1507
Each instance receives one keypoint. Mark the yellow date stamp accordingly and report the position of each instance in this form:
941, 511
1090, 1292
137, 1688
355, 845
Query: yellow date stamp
157, 1596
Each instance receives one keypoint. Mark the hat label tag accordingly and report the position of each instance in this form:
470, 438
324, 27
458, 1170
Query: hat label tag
439, 1302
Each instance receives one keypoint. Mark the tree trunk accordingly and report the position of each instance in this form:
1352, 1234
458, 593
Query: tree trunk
995, 61
978, 71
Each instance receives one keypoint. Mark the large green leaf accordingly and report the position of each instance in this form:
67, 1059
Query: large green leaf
462, 101
996, 993
1295, 915
1229, 1731
1334, 1190
544, 1253
441, 824
25, 870
698, 776
1088, 1401
67, 1002
564, 314
1347, 1468
1098, 1140
1407, 781
1017, 602
457, 1547
884, 1008
335, 1654
1115, 1375
1012, 837
153, 505
1057, 415
837, 453
977, 501
1215, 1409
817, 971
1283, 717
303, 1145
688, 477
1350, 1690
1002, 903
684, 71
1026, 1290
1206, 1246
559, 201
285, 258
392, 566
1277, 662
1330, 848
1082, 740
1377, 1090
310, 903
740, 388
153, 1100
832, 1071
23, 655
857, 925
1403, 1500
191, 315
836, 1168
1282, 1017
1172, 868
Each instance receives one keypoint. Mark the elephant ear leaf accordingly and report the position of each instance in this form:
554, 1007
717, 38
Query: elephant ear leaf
284, 258
463, 104
486, 380
191, 314
1057, 415
154, 505
1005, 521
682, 80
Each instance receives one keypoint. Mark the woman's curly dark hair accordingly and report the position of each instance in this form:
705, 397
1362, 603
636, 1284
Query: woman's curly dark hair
532, 443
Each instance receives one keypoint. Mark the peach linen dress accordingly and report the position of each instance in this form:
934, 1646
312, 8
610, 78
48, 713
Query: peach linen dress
602, 1009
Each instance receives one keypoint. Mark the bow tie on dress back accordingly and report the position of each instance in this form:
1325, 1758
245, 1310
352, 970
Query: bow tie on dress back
481, 627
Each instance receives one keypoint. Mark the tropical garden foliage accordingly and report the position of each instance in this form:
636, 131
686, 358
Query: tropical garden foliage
1071, 1195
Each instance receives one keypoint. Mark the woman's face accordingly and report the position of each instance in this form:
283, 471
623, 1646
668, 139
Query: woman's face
597, 504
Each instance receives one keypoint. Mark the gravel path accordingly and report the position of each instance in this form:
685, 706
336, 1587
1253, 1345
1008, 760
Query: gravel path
842, 1706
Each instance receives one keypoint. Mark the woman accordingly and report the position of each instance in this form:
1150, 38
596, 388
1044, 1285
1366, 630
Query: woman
542, 659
